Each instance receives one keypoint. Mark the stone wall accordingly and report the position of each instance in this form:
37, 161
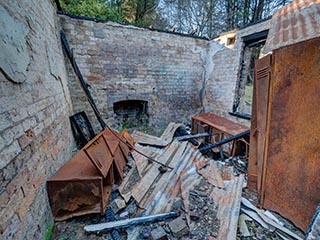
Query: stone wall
129, 63
223, 67
35, 134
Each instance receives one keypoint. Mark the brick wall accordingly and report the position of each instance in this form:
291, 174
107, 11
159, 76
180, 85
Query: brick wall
35, 136
223, 66
129, 63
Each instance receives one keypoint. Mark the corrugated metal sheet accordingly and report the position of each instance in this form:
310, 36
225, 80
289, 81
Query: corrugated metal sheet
296, 22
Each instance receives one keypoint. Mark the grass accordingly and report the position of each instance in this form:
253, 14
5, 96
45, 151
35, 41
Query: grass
49, 232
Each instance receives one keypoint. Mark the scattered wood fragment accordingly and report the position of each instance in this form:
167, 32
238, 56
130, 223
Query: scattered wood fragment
128, 222
212, 175
255, 217
189, 178
243, 228
269, 221
165, 139
187, 137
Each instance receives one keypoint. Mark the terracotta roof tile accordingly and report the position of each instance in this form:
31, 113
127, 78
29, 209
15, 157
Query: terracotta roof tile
296, 22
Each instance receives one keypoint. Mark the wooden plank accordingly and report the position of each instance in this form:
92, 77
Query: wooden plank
164, 140
143, 186
243, 228
141, 161
128, 222
158, 185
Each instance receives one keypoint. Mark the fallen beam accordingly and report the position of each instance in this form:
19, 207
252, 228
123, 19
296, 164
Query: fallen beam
187, 137
108, 226
224, 141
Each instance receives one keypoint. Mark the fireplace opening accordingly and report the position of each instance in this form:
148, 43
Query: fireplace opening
131, 113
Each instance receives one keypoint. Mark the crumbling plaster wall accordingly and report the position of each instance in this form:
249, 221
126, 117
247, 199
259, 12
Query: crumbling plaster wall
129, 63
223, 67
35, 134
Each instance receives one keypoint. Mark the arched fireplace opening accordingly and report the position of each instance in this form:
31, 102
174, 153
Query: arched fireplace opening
131, 113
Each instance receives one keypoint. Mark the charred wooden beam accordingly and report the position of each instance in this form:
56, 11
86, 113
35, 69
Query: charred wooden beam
68, 51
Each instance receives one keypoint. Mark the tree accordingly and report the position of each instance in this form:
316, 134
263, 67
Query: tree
90, 8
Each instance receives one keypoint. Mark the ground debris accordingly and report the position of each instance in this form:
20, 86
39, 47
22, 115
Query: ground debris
205, 193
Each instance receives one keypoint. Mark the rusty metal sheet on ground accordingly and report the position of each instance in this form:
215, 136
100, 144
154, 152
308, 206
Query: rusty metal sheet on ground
141, 161
164, 140
142, 187
228, 201
157, 187
292, 180
172, 186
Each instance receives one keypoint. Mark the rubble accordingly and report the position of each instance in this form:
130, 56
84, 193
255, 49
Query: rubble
204, 194
158, 234
178, 227
117, 205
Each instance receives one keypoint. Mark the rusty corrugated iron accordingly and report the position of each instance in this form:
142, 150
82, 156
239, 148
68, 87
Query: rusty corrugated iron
291, 179
296, 22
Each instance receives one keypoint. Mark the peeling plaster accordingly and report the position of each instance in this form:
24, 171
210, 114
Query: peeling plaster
14, 57
207, 59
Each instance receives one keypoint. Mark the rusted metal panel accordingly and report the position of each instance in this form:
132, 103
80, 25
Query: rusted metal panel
100, 154
77, 189
219, 123
291, 179
259, 123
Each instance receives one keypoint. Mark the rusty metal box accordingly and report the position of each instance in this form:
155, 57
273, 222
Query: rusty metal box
78, 188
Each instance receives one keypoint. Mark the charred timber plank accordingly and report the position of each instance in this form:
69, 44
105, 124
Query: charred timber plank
224, 141
128, 222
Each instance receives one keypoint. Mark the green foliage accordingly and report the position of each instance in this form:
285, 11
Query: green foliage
137, 12
91, 8
49, 231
